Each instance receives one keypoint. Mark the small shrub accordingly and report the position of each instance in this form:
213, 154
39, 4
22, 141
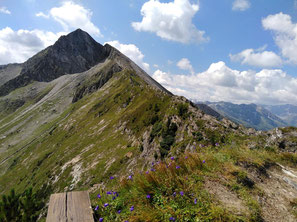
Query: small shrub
182, 110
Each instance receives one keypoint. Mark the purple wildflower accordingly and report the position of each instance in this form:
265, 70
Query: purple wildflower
148, 196
172, 219
172, 158
130, 177
153, 163
100, 219
153, 169
97, 207
181, 193
106, 205
146, 172
99, 196
177, 167
186, 157
195, 201
131, 208
111, 177
203, 161
108, 192
119, 211
217, 144
114, 197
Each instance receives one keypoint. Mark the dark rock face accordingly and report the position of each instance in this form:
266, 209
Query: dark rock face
96, 83
74, 53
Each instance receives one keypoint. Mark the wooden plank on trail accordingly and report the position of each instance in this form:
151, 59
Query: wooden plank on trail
70, 207
79, 207
57, 208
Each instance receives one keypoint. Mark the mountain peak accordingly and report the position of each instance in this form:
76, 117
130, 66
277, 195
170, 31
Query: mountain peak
78, 36
72, 53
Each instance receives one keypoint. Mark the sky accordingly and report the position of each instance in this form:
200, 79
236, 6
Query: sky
240, 51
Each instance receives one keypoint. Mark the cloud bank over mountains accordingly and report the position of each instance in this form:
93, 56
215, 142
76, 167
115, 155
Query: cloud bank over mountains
221, 83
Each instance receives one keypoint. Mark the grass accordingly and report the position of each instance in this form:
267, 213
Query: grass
173, 188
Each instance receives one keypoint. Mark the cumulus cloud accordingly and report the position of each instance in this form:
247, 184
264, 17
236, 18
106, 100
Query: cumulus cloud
241, 5
170, 21
18, 46
4, 10
259, 58
221, 83
72, 16
285, 34
131, 51
185, 64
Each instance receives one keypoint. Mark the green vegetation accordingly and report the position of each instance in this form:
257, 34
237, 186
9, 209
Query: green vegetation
168, 138
183, 109
294, 207
24, 207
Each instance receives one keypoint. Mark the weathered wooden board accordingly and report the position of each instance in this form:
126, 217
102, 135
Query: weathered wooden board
57, 208
79, 207
70, 207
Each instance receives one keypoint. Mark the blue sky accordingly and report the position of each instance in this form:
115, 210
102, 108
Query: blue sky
242, 51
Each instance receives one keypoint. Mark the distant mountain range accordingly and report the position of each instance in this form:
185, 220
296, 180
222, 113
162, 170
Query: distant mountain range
287, 113
260, 117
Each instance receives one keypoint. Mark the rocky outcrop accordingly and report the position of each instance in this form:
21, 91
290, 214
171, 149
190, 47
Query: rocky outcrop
96, 82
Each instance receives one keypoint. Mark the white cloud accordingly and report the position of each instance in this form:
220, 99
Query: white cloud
41, 14
285, 34
221, 83
18, 46
185, 64
131, 51
170, 21
4, 10
241, 5
72, 16
259, 58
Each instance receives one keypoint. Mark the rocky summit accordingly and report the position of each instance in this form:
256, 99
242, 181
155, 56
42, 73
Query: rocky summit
82, 116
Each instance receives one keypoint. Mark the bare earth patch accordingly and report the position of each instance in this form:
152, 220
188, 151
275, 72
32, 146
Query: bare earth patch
228, 199
280, 188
